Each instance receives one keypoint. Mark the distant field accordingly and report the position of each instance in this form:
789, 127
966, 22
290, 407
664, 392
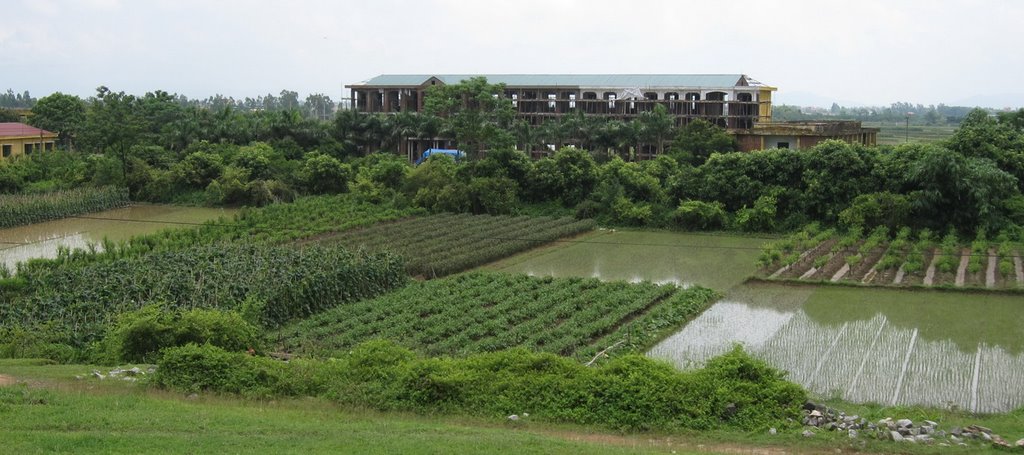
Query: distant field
893, 133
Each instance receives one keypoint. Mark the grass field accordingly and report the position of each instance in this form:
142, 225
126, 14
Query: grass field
897, 133
54, 413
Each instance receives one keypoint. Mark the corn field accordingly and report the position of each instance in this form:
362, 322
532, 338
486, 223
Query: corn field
21, 209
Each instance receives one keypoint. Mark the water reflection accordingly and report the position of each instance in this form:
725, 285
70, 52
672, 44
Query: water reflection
891, 347
42, 240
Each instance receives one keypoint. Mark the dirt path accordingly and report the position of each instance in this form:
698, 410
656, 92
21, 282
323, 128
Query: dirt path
676, 443
990, 272
1019, 268
961, 271
6, 380
929, 276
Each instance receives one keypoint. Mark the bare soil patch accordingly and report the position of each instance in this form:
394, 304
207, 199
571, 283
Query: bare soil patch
807, 261
865, 265
6, 380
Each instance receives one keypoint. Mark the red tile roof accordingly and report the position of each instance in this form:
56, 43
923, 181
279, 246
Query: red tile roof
14, 129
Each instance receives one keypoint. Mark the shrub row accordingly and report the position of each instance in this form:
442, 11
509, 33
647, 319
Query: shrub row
629, 393
20, 209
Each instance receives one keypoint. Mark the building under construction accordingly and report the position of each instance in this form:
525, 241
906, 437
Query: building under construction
736, 102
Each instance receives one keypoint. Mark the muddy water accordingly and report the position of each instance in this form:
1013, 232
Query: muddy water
935, 348
42, 240
946, 349
715, 261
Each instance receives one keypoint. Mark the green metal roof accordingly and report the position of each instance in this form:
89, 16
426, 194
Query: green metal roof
570, 80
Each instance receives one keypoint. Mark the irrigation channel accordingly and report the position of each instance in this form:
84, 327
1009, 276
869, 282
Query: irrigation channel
42, 240
949, 349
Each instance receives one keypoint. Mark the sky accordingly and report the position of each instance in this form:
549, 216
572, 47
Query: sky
864, 52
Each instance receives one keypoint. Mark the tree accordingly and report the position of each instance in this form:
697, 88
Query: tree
112, 124
655, 126
477, 113
696, 141
60, 113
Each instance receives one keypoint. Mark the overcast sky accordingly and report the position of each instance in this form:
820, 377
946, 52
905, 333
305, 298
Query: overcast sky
816, 52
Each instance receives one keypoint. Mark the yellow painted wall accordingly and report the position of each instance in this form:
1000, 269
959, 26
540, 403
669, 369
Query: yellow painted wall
18, 144
764, 99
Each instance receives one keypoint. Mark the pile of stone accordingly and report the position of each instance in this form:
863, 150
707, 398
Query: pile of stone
125, 374
898, 430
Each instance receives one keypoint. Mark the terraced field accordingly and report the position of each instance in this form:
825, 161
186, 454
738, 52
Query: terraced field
904, 260
488, 311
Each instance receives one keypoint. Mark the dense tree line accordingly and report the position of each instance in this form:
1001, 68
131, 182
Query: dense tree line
164, 151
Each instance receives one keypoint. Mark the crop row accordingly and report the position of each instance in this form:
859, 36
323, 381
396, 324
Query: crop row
489, 311
269, 284
273, 224
440, 245
21, 209
900, 259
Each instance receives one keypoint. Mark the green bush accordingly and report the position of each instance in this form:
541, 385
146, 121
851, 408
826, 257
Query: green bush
760, 218
140, 335
700, 215
632, 392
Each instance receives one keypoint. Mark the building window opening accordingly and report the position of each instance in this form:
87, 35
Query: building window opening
782, 145
7, 150
48, 146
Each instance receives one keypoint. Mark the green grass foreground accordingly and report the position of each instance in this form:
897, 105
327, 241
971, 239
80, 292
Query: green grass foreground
49, 412
135, 420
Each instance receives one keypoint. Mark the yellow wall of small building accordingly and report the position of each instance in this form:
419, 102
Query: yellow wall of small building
18, 144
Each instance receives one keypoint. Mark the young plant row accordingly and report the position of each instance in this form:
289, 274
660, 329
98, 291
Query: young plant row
21, 209
903, 258
490, 311
273, 224
74, 303
440, 245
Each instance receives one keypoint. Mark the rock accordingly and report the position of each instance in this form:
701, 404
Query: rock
954, 438
931, 423
979, 428
134, 371
513, 417
923, 438
97, 375
853, 434
815, 413
831, 426
809, 406
956, 431
987, 437
526, 414
730, 410
193, 396
772, 431
904, 423
808, 433
895, 436
1019, 443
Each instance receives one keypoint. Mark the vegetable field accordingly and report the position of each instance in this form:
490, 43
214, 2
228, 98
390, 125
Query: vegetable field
901, 258
21, 209
73, 303
440, 245
488, 311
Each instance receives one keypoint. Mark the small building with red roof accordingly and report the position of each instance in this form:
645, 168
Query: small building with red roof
21, 139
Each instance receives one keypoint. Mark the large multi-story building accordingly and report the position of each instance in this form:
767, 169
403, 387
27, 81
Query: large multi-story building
736, 102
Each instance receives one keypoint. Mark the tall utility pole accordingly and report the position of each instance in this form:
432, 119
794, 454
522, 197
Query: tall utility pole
907, 131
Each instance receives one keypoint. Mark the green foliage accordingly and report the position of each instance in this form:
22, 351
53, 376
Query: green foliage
698, 139
760, 217
487, 311
138, 336
16, 210
877, 209
628, 393
80, 299
949, 253
442, 244
700, 215
324, 174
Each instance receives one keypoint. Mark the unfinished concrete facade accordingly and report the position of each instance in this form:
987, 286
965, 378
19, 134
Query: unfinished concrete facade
733, 101
801, 135
736, 102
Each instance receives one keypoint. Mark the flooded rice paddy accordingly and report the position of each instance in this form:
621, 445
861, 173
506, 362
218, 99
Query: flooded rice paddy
717, 262
42, 240
962, 350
